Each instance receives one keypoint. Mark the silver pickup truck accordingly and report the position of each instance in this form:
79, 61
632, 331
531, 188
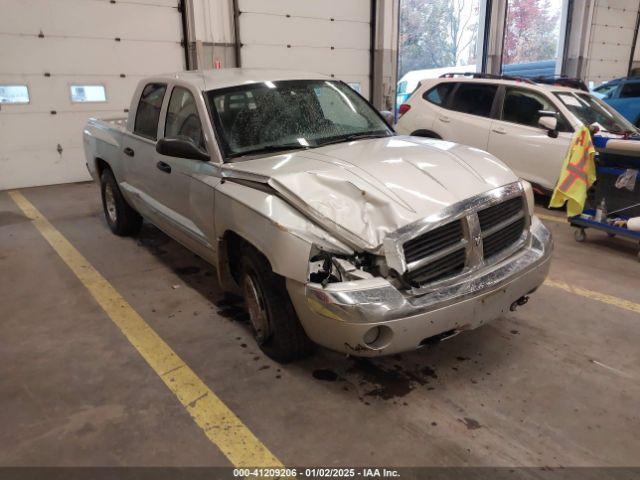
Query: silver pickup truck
334, 229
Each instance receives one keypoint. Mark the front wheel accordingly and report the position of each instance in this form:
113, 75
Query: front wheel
121, 218
276, 327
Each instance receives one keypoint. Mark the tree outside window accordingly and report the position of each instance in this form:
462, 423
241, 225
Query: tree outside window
438, 33
532, 31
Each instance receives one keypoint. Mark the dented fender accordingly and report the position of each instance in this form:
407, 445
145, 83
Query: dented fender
279, 231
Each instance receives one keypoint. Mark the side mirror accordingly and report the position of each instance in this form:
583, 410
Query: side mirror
550, 124
388, 117
180, 149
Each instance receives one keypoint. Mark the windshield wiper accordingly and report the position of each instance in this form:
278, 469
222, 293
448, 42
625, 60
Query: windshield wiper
270, 149
353, 136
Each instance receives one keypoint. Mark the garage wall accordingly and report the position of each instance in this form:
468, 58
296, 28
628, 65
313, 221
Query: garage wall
611, 36
332, 37
49, 45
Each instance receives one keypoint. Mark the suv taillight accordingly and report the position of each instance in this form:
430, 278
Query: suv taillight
404, 108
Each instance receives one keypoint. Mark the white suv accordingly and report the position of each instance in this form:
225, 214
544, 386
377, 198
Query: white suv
526, 125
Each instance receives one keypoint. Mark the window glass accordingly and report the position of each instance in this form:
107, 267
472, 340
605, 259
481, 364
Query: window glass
439, 93
88, 93
272, 116
438, 36
526, 107
590, 110
14, 94
474, 98
531, 45
631, 89
604, 91
182, 121
337, 108
148, 112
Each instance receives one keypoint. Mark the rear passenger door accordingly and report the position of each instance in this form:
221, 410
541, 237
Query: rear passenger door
518, 141
468, 117
139, 150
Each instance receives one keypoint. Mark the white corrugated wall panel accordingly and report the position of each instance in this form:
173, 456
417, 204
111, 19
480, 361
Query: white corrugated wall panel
50, 45
326, 36
611, 38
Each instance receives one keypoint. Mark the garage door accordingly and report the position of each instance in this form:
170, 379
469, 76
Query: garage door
332, 37
62, 61
612, 32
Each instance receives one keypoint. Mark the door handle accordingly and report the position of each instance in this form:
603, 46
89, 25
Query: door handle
500, 131
165, 167
444, 119
129, 151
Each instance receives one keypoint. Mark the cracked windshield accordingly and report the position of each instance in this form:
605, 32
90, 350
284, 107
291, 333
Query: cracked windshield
276, 116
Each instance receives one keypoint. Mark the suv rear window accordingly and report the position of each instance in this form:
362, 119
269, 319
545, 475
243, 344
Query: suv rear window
474, 98
438, 94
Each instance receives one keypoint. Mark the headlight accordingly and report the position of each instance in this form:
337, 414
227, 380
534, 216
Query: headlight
326, 267
528, 191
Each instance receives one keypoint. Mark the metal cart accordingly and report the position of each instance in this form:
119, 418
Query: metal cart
611, 162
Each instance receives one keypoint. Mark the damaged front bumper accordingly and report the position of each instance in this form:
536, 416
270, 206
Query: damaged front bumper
371, 317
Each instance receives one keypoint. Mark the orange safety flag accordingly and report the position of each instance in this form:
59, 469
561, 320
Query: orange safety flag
577, 175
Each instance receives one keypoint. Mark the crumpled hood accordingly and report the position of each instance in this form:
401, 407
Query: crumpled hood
365, 189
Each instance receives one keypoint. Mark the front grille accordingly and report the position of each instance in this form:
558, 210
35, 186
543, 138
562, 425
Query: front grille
433, 241
490, 217
507, 235
438, 269
503, 239
441, 253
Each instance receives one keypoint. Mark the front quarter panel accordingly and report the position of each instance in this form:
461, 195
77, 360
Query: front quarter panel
272, 226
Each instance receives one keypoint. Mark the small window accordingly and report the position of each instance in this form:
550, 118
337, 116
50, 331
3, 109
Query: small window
474, 98
88, 93
438, 94
14, 94
148, 112
629, 90
182, 118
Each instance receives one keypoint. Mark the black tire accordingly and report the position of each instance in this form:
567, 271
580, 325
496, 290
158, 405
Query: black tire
282, 338
121, 218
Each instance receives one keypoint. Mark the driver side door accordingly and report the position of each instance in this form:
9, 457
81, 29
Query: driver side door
181, 121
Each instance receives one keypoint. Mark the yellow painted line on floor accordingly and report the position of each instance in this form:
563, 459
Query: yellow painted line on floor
218, 422
552, 218
593, 295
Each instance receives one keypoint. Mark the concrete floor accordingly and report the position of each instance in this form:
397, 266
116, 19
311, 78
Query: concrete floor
555, 383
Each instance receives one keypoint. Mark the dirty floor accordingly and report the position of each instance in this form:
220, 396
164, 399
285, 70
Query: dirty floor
555, 383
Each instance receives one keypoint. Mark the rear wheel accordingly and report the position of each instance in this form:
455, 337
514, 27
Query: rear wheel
276, 327
121, 218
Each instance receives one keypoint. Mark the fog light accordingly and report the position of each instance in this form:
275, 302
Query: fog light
377, 338
371, 335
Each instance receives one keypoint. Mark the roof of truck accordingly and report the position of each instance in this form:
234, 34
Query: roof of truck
229, 77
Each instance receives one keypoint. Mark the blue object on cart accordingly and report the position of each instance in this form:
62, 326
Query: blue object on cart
599, 141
